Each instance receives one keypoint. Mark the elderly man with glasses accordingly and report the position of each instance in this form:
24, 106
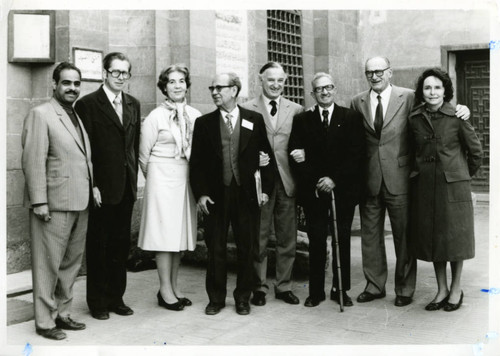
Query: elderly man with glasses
112, 119
385, 109
326, 149
223, 165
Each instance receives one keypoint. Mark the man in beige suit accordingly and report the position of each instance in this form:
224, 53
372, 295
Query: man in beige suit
58, 172
278, 114
385, 109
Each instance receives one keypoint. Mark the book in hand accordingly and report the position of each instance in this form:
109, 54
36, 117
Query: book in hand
258, 186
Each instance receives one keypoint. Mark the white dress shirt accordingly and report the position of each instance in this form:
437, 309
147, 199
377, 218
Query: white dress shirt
386, 95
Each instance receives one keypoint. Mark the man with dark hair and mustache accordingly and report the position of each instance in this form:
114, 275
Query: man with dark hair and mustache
327, 149
58, 171
280, 212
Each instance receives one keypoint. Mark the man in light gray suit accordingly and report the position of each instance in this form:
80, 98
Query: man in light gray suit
58, 172
385, 109
278, 114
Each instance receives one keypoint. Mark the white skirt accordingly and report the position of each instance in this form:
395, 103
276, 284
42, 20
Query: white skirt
168, 221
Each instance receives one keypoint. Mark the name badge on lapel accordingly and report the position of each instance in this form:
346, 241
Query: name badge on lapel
247, 124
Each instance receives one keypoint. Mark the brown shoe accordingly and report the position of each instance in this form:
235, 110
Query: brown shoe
53, 334
69, 324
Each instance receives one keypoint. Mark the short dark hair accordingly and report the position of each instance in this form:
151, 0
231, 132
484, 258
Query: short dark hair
56, 74
106, 62
441, 75
163, 78
270, 65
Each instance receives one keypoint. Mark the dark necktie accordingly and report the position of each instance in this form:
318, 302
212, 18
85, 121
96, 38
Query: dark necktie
325, 119
274, 109
379, 117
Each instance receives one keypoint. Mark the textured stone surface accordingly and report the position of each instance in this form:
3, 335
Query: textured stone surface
15, 187
18, 257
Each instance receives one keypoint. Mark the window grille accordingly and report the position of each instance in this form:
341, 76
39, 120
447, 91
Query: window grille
284, 45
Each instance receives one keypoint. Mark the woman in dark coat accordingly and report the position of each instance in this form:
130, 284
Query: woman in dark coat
447, 153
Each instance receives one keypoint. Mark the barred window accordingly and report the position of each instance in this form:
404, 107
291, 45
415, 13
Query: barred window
284, 45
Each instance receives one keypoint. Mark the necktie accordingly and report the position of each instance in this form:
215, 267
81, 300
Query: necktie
379, 117
229, 124
325, 119
117, 103
274, 109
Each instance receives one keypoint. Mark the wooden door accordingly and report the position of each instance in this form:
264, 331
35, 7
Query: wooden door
473, 90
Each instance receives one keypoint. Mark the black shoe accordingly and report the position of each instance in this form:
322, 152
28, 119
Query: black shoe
368, 297
432, 306
177, 306
259, 298
288, 297
313, 302
186, 302
334, 295
402, 301
100, 314
54, 333
122, 310
452, 307
213, 308
242, 308
69, 324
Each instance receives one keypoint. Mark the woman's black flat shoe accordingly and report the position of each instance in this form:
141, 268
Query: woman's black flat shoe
186, 302
452, 307
174, 306
436, 306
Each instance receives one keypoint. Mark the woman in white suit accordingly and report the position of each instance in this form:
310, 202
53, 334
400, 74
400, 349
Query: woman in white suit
168, 223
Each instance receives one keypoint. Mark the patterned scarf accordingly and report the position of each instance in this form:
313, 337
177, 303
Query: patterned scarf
178, 116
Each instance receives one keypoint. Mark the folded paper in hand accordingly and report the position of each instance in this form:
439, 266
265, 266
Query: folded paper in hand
258, 186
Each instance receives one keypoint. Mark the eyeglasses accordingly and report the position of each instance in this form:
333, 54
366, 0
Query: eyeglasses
378, 72
116, 74
328, 87
219, 88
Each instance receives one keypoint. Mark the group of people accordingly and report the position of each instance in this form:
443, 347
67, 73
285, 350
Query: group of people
410, 153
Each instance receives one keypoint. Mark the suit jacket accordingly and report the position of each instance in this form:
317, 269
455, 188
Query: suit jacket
338, 155
389, 157
56, 163
278, 136
115, 147
205, 165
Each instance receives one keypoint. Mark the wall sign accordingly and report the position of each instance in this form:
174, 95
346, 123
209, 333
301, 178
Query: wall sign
89, 62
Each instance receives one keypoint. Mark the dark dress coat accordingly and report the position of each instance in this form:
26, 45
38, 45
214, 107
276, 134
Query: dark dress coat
447, 152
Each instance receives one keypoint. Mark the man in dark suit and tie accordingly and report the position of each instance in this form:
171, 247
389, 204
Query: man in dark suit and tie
326, 153
112, 119
385, 109
58, 171
224, 160
278, 113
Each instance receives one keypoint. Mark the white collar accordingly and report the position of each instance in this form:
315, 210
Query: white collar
386, 94
111, 96
267, 101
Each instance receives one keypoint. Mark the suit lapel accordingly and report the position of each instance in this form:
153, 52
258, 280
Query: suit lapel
366, 110
68, 124
108, 110
214, 131
127, 111
284, 108
245, 133
395, 103
262, 108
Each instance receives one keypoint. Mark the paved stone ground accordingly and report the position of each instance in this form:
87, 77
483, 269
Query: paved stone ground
376, 323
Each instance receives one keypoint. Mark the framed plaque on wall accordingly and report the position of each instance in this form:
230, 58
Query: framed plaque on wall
89, 61
32, 36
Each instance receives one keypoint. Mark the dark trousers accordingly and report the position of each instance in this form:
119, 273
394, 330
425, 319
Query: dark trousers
108, 244
244, 219
318, 219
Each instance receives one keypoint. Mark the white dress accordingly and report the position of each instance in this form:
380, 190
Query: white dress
169, 220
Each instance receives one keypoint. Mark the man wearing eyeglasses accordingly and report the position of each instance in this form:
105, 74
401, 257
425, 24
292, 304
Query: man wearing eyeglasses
281, 211
385, 109
112, 119
326, 153
224, 159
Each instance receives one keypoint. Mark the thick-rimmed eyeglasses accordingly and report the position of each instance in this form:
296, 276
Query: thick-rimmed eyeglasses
328, 87
219, 88
378, 72
116, 74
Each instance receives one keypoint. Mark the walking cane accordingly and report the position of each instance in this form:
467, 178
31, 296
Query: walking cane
337, 253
